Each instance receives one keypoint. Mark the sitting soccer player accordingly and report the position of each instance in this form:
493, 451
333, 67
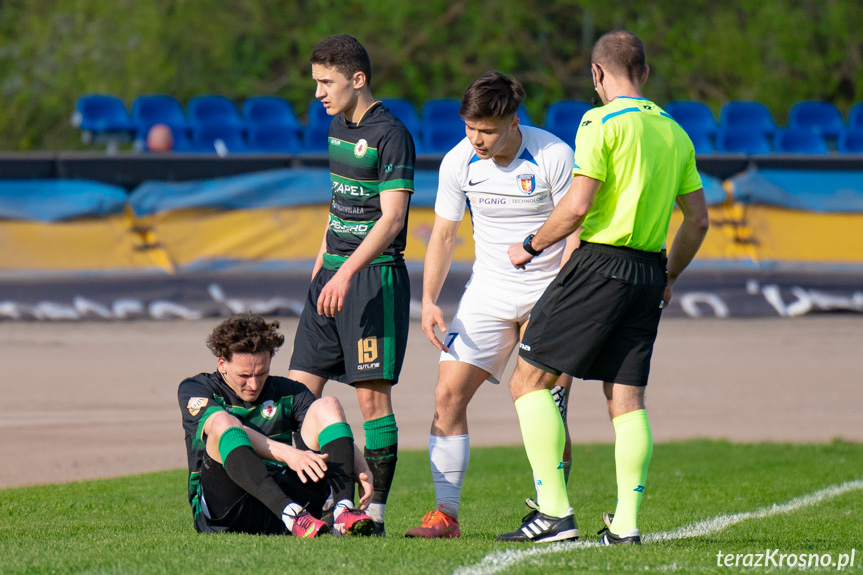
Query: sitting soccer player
244, 474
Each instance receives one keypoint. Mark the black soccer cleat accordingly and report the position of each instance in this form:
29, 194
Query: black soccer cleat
541, 528
609, 538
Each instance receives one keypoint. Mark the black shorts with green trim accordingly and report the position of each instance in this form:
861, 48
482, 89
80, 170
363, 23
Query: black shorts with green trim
599, 317
227, 508
366, 340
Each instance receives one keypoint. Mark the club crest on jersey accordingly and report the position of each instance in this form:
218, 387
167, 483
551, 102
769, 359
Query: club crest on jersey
195, 404
361, 148
268, 409
527, 183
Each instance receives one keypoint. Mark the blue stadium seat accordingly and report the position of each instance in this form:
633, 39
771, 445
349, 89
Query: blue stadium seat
694, 117
800, 141
315, 136
261, 111
524, 117
855, 117
213, 110
439, 138
563, 118
318, 114
441, 110
822, 117
851, 142
742, 141
204, 138
154, 109
702, 143
274, 139
101, 114
405, 111
748, 116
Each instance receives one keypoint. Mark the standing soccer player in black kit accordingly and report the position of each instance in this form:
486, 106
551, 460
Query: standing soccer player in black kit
354, 325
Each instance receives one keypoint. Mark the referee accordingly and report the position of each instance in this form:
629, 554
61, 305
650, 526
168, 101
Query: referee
598, 319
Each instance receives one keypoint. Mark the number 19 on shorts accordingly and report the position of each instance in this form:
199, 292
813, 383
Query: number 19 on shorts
367, 349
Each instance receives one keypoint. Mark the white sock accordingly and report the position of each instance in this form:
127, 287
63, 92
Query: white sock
449, 457
376, 511
290, 513
342, 505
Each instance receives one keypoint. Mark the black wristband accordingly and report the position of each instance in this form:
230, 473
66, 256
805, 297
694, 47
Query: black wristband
528, 247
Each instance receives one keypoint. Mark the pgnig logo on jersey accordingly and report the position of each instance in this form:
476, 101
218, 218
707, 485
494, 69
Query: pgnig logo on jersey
527, 183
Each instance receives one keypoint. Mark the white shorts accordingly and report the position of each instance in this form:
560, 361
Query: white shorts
486, 325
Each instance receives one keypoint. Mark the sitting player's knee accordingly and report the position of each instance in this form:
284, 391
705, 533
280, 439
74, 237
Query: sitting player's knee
327, 409
219, 423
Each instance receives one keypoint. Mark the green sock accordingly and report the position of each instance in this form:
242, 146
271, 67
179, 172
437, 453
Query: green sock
543, 435
633, 447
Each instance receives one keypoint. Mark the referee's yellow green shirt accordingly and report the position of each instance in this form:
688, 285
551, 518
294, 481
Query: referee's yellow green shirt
645, 160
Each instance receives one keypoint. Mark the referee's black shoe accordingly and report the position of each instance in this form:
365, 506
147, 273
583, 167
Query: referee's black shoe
609, 538
541, 528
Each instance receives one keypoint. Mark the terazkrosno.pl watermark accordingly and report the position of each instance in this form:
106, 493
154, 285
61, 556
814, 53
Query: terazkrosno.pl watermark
776, 558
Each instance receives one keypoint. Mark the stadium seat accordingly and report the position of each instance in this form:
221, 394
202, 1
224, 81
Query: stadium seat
441, 137
851, 141
405, 111
258, 111
702, 143
563, 118
748, 116
318, 114
274, 138
315, 136
524, 117
213, 110
441, 110
822, 117
800, 141
153, 109
742, 141
694, 117
855, 117
204, 138
102, 114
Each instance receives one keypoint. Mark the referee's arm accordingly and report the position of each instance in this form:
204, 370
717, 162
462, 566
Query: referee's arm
689, 236
564, 219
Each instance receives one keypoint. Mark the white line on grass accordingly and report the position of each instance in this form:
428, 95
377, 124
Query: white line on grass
501, 560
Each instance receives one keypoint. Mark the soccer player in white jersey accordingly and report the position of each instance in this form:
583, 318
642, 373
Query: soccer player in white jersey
509, 177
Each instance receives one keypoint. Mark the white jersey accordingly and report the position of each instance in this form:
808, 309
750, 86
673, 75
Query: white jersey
507, 204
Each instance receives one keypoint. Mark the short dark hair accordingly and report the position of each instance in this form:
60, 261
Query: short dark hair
344, 53
245, 333
621, 53
492, 95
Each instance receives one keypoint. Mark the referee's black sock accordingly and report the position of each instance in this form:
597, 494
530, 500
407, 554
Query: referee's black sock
246, 469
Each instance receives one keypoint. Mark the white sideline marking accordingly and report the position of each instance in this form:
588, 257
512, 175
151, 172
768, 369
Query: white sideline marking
501, 560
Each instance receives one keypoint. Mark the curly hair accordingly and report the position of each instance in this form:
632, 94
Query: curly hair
245, 333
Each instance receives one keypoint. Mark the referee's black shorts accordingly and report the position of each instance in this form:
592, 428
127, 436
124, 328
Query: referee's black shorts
598, 318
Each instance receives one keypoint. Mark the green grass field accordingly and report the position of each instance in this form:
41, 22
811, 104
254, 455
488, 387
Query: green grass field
142, 524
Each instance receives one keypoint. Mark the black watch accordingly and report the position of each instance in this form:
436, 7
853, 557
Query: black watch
528, 247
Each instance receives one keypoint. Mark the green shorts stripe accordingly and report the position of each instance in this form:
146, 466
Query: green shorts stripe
389, 323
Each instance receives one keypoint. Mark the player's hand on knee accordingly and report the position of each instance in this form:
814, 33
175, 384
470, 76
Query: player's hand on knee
309, 466
433, 316
366, 489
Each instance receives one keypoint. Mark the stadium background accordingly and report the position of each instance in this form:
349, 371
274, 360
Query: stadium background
89, 236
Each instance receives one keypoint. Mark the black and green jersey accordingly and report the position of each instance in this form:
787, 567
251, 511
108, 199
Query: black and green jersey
368, 158
277, 413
